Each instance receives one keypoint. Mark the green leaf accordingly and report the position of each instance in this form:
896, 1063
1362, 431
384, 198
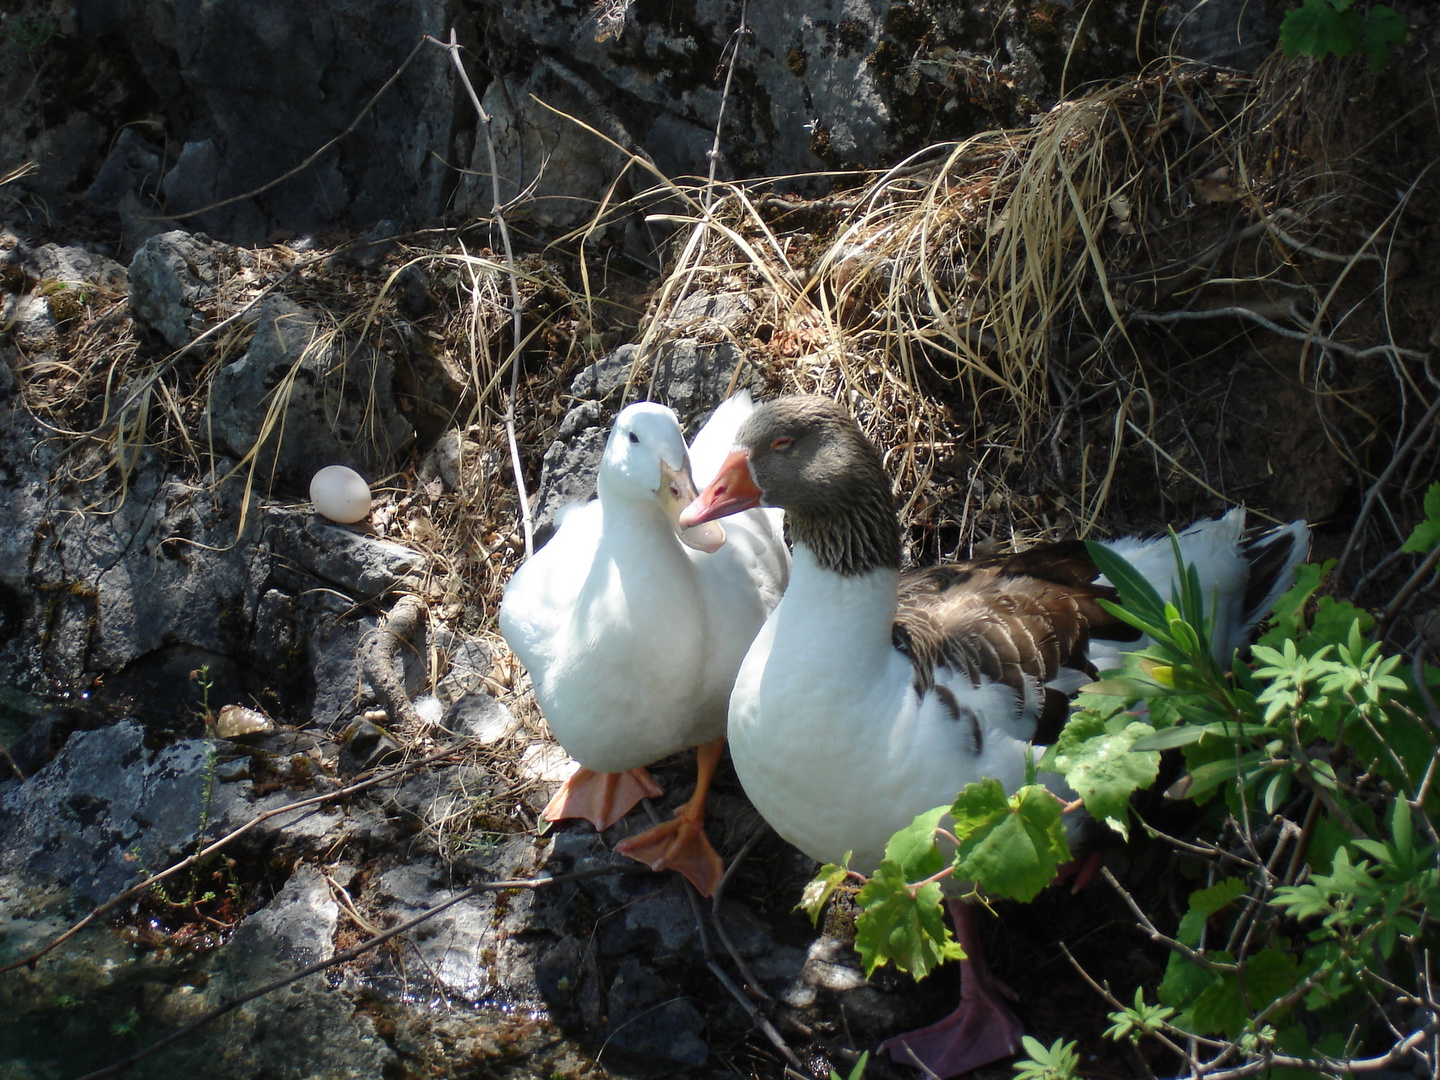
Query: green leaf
1012, 846
1206, 778
1219, 1008
1182, 735
1218, 896
1268, 975
1383, 27
1184, 981
819, 888
1056, 1062
1289, 610
855, 1073
896, 926
914, 849
1095, 755
1426, 536
1318, 29
1137, 596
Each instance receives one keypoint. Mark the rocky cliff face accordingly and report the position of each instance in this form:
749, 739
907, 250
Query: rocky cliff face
248, 119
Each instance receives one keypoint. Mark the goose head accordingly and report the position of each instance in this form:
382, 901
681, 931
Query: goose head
645, 458
806, 455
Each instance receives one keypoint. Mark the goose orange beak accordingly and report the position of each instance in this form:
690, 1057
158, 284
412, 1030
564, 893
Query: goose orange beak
732, 490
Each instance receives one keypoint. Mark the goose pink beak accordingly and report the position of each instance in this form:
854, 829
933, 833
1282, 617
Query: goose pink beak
732, 490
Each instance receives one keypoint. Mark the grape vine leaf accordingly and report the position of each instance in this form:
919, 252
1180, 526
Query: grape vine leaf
1384, 26
902, 927
1320, 28
1096, 756
1011, 845
819, 888
913, 848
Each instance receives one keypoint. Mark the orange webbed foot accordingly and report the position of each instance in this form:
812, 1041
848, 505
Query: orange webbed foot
681, 845
601, 798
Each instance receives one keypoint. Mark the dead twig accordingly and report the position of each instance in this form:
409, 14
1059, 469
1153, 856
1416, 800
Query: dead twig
497, 209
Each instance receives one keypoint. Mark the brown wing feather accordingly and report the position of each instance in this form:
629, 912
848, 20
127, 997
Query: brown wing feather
1016, 619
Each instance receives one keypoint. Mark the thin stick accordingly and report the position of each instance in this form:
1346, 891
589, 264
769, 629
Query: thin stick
1373, 495
497, 209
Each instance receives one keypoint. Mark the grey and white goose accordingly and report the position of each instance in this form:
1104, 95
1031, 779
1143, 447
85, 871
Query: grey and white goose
871, 695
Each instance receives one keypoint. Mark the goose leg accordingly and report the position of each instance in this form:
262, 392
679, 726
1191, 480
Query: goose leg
681, 844
983, 1029
601, 798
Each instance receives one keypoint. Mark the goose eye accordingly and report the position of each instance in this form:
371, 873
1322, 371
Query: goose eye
634, 438
782, 443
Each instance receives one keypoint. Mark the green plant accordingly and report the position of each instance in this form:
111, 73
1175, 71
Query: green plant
857, 1071
1056, 1062
201, 677
1321, 27
1316, 766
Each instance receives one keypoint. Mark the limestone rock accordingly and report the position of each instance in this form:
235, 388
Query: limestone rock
308, 398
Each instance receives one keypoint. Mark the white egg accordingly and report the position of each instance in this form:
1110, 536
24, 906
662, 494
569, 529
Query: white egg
340, 493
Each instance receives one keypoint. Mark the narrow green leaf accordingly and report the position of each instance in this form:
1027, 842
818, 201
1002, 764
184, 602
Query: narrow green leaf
1400, 831
1136, 594
1174, 737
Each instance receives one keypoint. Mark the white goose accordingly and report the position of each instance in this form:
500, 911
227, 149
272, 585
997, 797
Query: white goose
632, 638
871, 696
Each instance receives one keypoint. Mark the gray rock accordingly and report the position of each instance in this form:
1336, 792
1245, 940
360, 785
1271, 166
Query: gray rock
600, 380
134, 163
653, 81
460, 463
307, 398
1226, 33
194, 184
75, 266
368, 746
169, 276
649, 1019
320, 65
163, 570
334, 647
454, 943
297, 925
364, 567
370, 250
539, 149
567, 476
693, 377
106, 810
468, 664
29, 318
